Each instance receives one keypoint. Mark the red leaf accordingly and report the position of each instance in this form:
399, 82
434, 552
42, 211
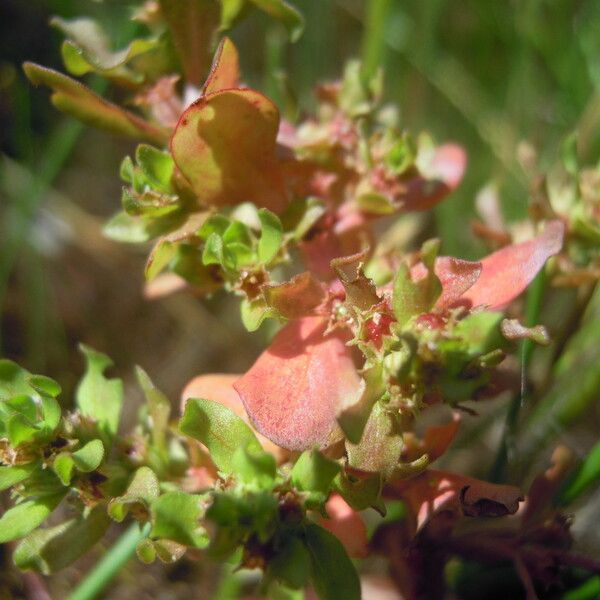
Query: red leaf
507, 272
297, 387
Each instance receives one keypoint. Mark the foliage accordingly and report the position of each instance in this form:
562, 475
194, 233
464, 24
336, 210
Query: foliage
270, 470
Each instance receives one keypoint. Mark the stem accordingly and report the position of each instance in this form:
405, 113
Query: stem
114, 560
373, 44
533, 307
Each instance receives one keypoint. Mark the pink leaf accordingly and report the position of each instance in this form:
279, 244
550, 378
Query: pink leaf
434, 491
295, 390
444, 173
347, 525
507, 272
455, 275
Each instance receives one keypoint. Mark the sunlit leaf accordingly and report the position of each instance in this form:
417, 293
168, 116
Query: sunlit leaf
157, 167
12, 475
224, 145
98, 397
271, 236
87, 49
141, 492
54, 548
23, 518
254, 312
72, 97
380, 446
507, 272
225, 71
257, 468
314, 473
176, 516
295, 390
219, 429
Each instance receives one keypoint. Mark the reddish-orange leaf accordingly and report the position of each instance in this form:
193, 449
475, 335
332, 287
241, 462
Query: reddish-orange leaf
224, 145
439, 437
295, 390
507, 272
225, 71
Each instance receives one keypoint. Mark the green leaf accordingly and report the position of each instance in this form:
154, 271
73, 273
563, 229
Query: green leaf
145, 551
216, 253
333, 573
412, 298
176, 516
254, 312
13, 380
143, 489
23, 518
161, 255
362, 493
86, 460
568, 154
219, 429
11, 475
63, 466
251, 467
44, 385
300, 216
284, 12
313, 472
75, 99
291, 563
87, 49
353, 419
129, 229
230, 11
380, 446
89, 457
237, 232
216, 224
100, 398
20, 430
271, 236
375, 203
49, 550
159, 408
587, 474
157, 166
